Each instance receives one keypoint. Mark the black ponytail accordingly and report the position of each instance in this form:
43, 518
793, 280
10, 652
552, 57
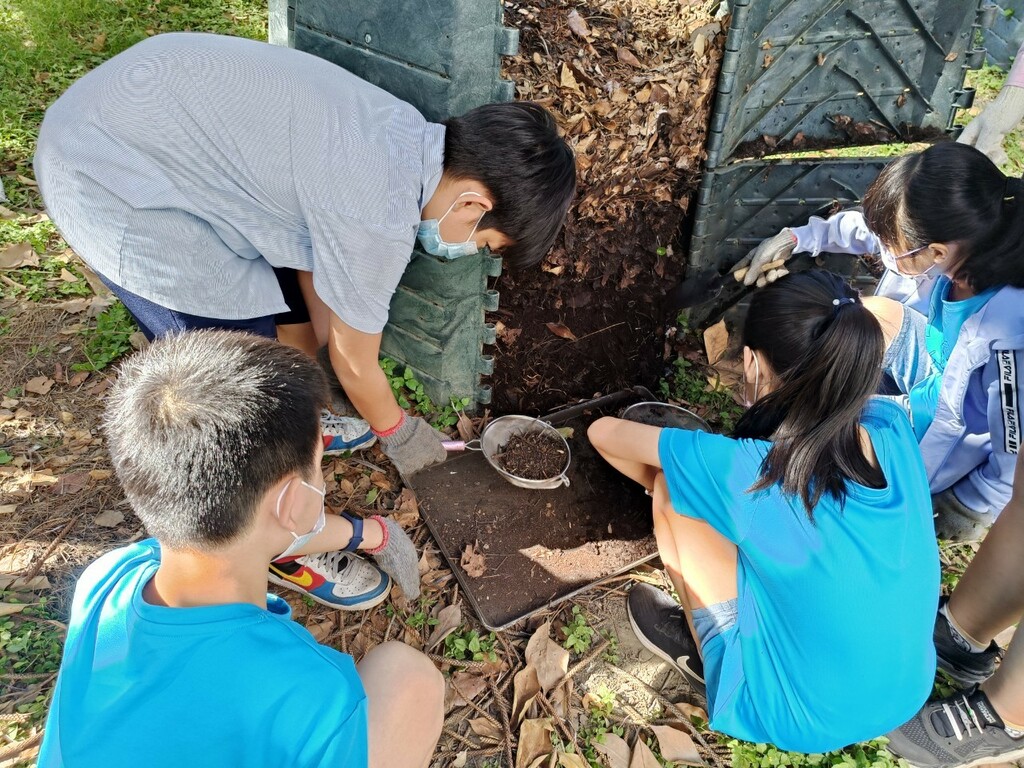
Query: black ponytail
952, 193
825, 349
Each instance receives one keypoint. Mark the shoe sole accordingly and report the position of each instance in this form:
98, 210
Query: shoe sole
962, 677
1006, 757
363, 606
694, 682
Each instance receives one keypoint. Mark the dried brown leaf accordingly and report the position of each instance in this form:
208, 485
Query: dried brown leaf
18, 255
568, 79
534, 742
21, 584
626, 56
676, 746
473, 561
486, 729
716, 342
571, 760
549, 658
578, 24
448, 620
615, 750
40, 385
642, 756
463, 687
109, 519
525, 688
6, 609
562, 331
951, 56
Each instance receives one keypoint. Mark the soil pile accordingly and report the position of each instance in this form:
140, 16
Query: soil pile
631, 82
533, 456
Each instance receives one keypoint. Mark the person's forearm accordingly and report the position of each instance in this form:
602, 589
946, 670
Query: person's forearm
337, 534
368, 389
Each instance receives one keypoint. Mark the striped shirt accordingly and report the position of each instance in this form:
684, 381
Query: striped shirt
186, 167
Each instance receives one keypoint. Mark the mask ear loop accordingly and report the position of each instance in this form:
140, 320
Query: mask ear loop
757, 379
277, 509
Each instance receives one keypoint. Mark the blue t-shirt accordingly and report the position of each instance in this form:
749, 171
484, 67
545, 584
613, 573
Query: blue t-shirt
945, 319
833, 641
234, 684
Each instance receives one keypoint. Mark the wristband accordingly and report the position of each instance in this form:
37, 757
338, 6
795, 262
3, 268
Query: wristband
384, 539
357, 532
391, 430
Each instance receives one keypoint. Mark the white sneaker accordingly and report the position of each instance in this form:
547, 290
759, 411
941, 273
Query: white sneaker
336, 579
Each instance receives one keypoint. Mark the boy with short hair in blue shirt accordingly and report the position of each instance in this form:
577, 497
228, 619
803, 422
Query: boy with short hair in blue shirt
175, 653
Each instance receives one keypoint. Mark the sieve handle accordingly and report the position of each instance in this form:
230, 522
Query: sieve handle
455, 446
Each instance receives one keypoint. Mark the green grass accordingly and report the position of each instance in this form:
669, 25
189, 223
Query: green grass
987, 81
107, 339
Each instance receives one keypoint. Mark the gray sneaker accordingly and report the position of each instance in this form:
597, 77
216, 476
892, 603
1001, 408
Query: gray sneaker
660, 626
955, 656
957, 732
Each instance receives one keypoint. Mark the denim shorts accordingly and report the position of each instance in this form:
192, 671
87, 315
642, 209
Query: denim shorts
713, 620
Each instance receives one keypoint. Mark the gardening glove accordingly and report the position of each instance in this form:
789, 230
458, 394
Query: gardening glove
340, 403
765, 263
956, 522
413, 445
397, 557
987, 131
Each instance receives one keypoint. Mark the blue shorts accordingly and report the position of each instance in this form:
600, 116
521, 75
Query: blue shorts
714, 620
155, 320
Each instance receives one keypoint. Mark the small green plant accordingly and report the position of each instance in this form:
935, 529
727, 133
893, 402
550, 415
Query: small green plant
108, 339
868, 754
47, 281
28, 641
578, 633
5, 457
598, 724
470, 646
611, 653
408, 391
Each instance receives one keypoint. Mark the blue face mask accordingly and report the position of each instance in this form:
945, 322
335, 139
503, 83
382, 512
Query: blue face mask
430, 238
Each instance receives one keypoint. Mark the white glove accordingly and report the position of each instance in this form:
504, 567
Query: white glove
764, 264
987, 131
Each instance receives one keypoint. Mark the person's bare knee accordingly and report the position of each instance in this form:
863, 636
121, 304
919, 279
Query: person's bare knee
405, 695
597, 432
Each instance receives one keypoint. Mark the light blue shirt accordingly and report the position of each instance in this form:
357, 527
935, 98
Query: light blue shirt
833, 641
186, 167
945, 319
222, 685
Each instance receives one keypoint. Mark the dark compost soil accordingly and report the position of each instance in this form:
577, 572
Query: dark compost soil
533, 456
539, 546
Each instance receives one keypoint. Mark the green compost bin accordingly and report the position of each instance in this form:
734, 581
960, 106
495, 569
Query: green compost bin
444, 57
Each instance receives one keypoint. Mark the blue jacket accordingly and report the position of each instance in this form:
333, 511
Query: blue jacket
972, 443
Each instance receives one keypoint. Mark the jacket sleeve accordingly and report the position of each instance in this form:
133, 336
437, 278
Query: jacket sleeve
988, 486
845, 232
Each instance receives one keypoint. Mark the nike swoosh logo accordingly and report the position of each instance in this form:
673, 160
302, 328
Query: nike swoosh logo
305, 580
684, 662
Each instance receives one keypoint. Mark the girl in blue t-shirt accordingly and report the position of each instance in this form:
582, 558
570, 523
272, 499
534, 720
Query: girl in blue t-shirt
949, 229
803, 550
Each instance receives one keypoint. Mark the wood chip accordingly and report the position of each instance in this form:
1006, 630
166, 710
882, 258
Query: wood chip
109, 519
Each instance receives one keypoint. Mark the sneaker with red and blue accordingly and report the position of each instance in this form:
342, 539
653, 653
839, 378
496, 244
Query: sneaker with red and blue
338, 579
345, 433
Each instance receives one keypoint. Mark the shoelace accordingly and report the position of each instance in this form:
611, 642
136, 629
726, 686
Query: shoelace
328, 563
961, 714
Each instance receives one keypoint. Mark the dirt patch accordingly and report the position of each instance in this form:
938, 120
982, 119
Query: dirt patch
533, 456
549, 544
631, 84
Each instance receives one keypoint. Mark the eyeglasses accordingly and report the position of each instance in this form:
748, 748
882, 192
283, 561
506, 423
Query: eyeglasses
908, 254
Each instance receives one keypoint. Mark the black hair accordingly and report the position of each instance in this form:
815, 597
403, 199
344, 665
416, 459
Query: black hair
825, 350
201, 424
515, 151
953, 193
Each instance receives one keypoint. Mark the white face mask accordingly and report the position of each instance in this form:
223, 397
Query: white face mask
318, 526
757, 383
892, 263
